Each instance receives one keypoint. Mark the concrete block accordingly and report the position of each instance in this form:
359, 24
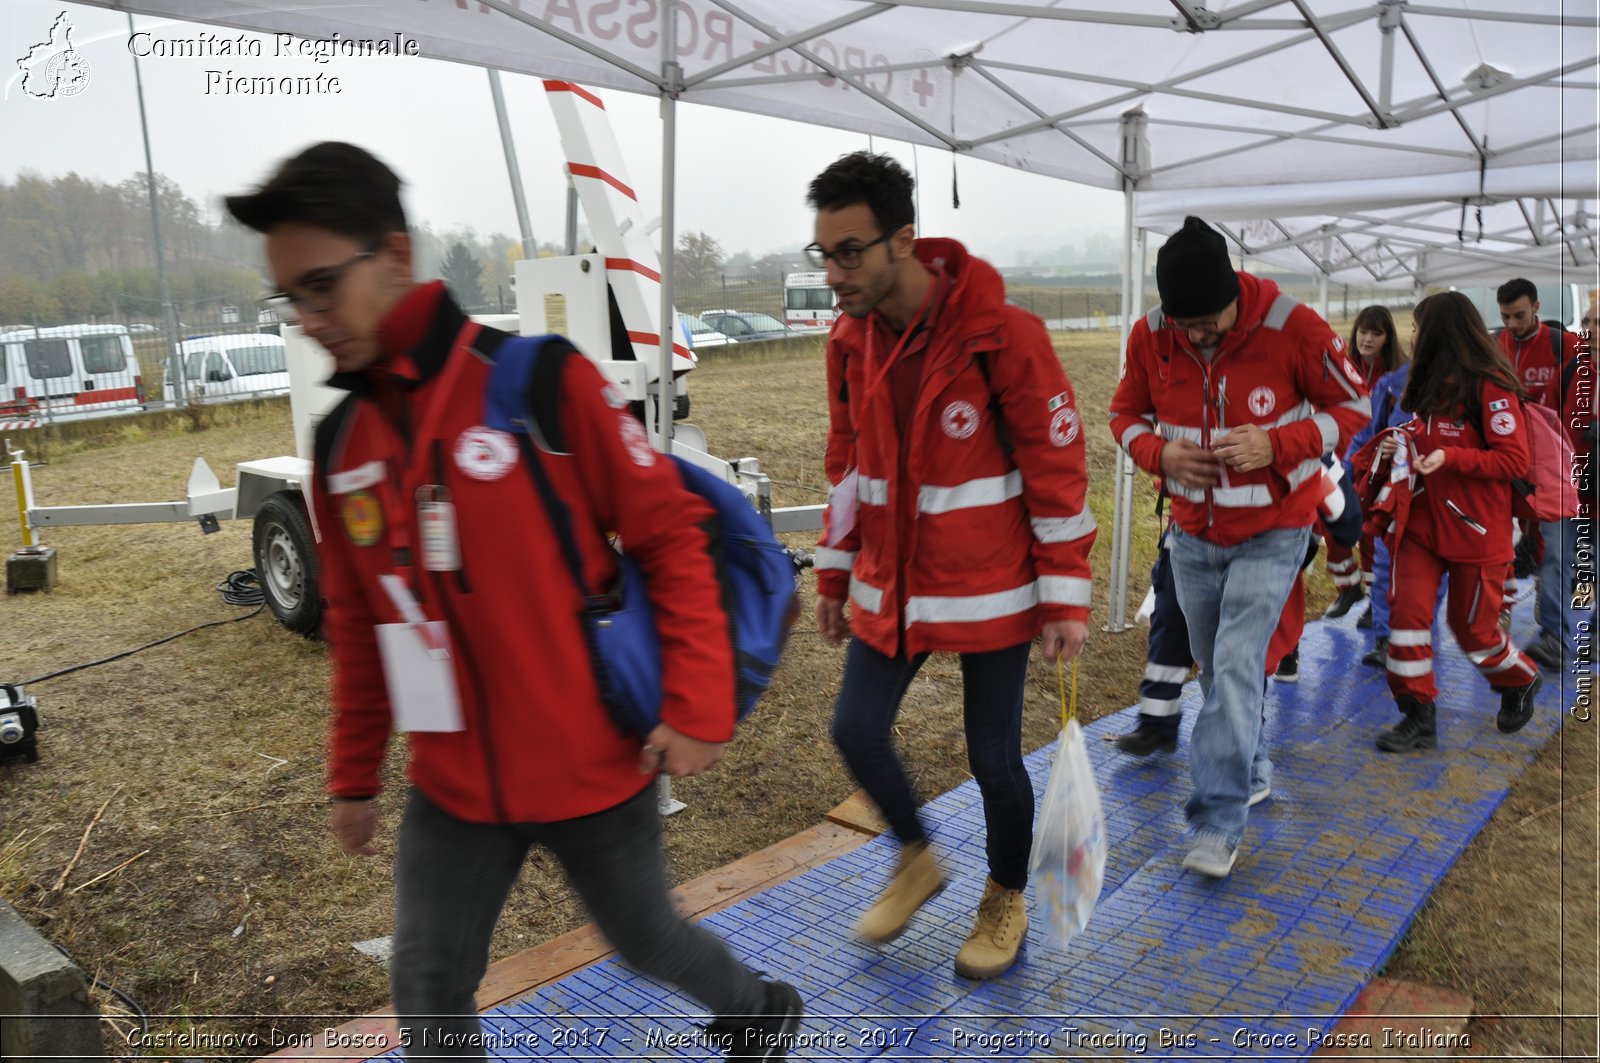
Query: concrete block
44, 998
32, 568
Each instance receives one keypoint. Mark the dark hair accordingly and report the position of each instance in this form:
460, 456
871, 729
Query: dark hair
1378, 319
1452, 352
862, 177
334, 186
1515, 289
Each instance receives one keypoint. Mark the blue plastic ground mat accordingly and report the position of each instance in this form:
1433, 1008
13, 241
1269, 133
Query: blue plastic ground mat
1173, 965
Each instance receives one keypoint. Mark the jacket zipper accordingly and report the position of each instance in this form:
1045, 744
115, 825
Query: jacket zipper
1474, 525
452, 622
485, 733
1205, 427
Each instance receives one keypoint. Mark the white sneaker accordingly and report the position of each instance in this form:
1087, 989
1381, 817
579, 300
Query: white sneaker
1258, 796
1211, 855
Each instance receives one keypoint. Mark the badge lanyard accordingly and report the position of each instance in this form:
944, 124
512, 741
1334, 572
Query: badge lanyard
905, 337
437, 536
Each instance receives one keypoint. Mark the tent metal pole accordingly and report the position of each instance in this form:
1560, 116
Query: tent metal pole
513, 171
572, 216
1322, 276
1122, 496
1122, 561
672, 78
169, 317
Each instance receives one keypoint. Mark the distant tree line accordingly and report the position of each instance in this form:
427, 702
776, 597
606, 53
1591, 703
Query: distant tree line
75, 250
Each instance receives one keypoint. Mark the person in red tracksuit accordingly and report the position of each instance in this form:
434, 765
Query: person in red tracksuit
1469, 438
958, 523
444, 575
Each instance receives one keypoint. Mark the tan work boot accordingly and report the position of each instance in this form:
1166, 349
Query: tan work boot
916, 878
997, 934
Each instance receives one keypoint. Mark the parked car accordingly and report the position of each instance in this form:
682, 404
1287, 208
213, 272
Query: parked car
742, 326
700, 334
69, 372
245, 365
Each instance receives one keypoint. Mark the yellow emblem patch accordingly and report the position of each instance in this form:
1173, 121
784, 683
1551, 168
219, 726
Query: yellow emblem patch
363, 518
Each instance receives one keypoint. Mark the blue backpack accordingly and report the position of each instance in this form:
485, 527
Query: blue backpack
756, 572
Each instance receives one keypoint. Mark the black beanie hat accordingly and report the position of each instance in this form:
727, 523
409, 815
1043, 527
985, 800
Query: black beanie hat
1193, 273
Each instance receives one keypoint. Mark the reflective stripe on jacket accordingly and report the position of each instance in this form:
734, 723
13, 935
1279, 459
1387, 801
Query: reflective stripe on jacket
1279, 367
988, 536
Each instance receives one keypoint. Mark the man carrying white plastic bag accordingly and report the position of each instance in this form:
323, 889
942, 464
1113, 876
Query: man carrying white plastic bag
1068, 863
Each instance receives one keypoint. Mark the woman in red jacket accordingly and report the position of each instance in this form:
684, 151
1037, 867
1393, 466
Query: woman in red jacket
1468, 440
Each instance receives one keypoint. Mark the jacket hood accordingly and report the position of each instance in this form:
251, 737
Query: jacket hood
1256, 295
977, 296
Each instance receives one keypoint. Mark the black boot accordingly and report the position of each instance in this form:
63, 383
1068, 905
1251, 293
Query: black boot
1414, 732
1288, 670
767, 1035
1364, 621
1516, 705
1342, 604
1378, 656
1148, 738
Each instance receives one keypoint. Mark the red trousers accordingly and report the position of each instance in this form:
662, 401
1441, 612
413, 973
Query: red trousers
1472, 609
1342, 568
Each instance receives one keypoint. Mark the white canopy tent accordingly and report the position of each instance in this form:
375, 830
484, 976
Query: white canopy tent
1141, 95
1534, 221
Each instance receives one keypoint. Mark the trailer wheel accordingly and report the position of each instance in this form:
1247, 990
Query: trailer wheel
286, 563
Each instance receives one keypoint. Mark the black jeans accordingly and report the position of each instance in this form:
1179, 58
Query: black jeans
453, 877
991, 697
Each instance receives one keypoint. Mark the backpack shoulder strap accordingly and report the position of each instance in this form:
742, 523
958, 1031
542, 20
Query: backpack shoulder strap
523, 398
326, 436
525, 385
982, 358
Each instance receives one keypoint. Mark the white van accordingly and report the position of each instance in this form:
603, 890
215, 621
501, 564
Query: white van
243, 365
69, 372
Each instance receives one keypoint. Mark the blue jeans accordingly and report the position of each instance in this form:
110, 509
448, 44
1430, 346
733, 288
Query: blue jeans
1232, 597
1379, 597
991, 698
453, 877
1557, 618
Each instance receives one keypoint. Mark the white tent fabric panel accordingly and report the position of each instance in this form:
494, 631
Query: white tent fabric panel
1259, 91
1408, 232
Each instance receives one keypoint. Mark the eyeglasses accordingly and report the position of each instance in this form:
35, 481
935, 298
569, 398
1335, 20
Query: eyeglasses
848, 256
317, 290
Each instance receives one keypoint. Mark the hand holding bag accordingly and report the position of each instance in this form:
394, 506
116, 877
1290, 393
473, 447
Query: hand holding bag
1068, 863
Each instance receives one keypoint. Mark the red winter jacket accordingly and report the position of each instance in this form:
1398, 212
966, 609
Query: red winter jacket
1462, 512
976, 548
538, 745
1535, 362
1280, 367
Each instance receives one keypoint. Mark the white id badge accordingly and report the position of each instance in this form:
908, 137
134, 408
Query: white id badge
842, 505
436, 527
420, 676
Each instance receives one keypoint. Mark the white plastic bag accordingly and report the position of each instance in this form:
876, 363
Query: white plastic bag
1068, 864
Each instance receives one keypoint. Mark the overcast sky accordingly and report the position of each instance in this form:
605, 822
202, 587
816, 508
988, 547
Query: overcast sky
741, 178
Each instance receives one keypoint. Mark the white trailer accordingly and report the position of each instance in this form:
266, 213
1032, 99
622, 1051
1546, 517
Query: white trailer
607, 302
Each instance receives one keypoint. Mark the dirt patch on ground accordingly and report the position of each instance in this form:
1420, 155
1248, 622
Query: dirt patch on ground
207, 755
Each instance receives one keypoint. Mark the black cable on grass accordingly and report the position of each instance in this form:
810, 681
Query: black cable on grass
133, 1005
240, 588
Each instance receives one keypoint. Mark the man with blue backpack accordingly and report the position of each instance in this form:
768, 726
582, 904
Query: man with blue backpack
456, 562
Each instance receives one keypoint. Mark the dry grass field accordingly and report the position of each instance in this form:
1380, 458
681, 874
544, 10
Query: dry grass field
201, 761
